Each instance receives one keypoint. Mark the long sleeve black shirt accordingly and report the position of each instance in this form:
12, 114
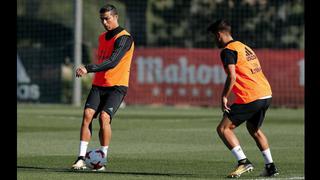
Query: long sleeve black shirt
121, 46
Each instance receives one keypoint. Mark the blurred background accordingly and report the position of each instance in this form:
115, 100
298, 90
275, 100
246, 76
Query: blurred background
175, 61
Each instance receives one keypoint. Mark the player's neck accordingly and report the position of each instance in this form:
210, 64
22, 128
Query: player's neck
113, 32
227, 40
115, 27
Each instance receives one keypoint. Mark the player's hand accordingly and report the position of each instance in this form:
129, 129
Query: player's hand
224, 104
81, 71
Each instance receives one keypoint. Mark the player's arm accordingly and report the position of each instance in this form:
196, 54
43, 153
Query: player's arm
229, 60
230, 81
121, 46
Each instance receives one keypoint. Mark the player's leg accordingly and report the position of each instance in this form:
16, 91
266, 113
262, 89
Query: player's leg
85, 136
104, 134
112, 101
226, 132
259, 137
85, 130
253, 127
262, 143
105, 131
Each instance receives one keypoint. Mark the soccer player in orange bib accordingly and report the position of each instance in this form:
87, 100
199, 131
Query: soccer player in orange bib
110, 82
252, 98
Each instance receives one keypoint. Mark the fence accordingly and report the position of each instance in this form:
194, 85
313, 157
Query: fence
175, 61
196, 77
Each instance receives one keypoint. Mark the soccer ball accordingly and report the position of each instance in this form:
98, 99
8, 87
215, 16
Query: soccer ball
95, 159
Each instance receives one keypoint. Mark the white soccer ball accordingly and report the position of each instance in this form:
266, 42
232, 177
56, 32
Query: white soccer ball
95, 159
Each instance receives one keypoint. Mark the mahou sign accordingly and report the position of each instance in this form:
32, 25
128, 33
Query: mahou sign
196, 76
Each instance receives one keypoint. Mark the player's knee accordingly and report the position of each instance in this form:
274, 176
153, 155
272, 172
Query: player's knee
256, 134
104, 118
87, 117
220, 129
252, 130
88, 113
224, 128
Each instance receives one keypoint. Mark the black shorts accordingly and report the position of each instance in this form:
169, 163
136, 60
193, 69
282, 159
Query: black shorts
106, 99
253, 112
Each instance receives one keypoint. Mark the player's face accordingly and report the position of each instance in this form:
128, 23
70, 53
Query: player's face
218, 39
108, 20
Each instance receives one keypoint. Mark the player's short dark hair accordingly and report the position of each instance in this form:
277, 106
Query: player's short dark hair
107, 8
220, 25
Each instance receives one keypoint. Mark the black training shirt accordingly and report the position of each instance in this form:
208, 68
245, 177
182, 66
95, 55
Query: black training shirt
121, 46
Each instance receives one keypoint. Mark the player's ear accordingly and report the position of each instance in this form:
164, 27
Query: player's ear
218, 35
221, 34
116, 16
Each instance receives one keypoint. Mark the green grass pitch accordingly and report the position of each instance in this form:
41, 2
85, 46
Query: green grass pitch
152, 143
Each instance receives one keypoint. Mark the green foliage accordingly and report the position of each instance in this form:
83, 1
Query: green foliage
262, 24
59, 11
62, 12
166, 22
180, 23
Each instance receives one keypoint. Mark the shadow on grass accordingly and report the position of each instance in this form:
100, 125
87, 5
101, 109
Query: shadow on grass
28, 168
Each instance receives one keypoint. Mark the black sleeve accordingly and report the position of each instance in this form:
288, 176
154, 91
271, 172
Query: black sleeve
228, 57
121, 46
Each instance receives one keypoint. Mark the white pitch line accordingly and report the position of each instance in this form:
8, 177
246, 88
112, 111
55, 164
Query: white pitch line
276, 178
